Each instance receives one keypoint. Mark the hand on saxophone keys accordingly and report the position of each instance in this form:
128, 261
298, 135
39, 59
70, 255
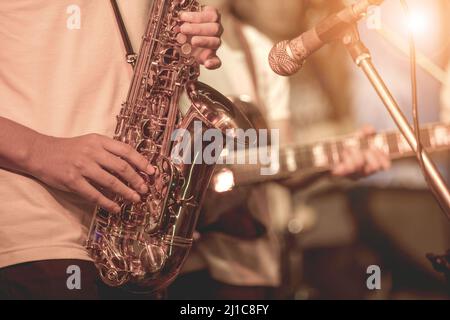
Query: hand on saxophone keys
204, 29
88, 164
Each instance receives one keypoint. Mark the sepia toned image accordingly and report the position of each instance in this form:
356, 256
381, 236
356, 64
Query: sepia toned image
237, 151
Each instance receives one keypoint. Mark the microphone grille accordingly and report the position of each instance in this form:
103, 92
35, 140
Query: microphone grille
281, 62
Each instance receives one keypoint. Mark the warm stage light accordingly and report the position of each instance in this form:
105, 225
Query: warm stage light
418, 23
223, 181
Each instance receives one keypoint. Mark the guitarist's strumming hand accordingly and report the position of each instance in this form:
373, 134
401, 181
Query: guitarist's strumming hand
358, 163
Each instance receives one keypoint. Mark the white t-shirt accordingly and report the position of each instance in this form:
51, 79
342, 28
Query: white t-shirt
445, 99
62, 73
228, 259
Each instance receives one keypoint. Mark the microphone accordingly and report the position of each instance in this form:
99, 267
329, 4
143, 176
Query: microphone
287, 57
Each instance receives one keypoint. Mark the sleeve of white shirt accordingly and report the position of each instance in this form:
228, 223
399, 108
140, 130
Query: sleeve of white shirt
445, 98
273, 89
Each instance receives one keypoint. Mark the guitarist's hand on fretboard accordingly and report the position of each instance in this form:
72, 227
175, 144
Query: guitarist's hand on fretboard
353, 162
358, 163
353, 156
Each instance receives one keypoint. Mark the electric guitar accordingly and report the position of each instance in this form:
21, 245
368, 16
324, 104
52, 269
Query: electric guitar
321, 156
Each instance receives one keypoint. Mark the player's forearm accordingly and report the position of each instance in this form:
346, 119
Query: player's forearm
16, 145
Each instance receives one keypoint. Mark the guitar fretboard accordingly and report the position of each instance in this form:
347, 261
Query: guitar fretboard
322, 156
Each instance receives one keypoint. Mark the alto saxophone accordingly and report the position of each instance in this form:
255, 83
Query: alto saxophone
144, 247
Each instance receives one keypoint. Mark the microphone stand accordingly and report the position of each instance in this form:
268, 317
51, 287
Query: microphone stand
362, 58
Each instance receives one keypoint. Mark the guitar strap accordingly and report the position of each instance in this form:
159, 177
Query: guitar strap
131, 55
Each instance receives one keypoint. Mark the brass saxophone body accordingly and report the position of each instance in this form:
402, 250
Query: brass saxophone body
144, 247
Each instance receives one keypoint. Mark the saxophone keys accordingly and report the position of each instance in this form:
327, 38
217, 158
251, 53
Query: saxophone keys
181, 38
186, 49
152, 258
141, 146
131, 216
112, 276
146, 129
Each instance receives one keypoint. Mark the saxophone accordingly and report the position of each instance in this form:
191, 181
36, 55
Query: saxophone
144, 247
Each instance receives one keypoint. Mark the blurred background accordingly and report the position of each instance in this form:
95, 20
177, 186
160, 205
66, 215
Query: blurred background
331, 231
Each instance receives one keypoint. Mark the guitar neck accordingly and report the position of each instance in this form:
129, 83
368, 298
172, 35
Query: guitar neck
322, 156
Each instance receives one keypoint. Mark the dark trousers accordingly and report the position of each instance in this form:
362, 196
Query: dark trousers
48, 280
200, 286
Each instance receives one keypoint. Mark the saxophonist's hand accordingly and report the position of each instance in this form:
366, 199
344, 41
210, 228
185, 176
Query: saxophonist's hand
204, 30
85, 164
